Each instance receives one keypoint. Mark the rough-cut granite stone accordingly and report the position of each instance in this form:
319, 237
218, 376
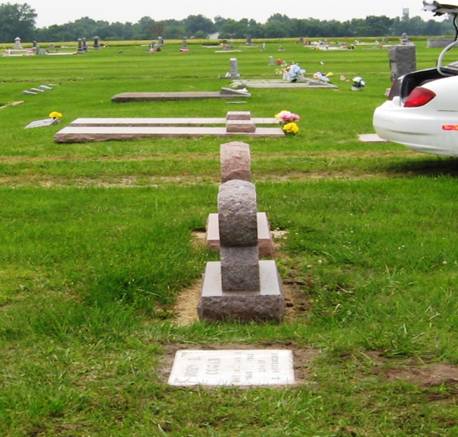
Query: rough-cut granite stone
403, 60
238, 223
265, 241
240, 268
235, 162
242, 126
238, 115
263, 306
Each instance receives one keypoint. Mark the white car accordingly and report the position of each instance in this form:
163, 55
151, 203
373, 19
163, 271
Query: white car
422, 112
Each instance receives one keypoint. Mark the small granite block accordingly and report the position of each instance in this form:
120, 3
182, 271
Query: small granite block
237, 206
266, 305
240, 269
235, 162
240, 126
265, 242
238, 115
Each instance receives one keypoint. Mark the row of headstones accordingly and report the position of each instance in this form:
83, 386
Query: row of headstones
83, 45
240, 287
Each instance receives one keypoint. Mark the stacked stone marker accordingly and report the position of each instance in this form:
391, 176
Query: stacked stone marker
236, 164
240, 122
240, 287
403, 60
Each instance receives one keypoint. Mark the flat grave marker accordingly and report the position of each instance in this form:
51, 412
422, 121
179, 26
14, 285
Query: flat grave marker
106, 133
233, 368
371, 138
172, 96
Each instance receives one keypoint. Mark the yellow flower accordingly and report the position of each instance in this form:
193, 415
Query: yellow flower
291, 129
55, 115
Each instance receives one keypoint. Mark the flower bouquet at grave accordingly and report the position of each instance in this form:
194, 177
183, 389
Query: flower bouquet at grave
288, 121
358, 84
55, 116
322, 77
293, 73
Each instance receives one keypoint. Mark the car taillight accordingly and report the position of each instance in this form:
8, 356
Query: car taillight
419, 97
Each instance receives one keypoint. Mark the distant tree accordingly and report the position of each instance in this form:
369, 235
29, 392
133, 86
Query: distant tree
16, 20
199, 23
277, 26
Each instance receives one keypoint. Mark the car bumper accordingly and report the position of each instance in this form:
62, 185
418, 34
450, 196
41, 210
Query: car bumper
416, 129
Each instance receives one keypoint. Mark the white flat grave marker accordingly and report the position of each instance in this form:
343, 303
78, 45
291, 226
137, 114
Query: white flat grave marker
42, 123
233, 368
371, 138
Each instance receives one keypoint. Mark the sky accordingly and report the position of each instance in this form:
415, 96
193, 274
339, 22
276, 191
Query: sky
58, 12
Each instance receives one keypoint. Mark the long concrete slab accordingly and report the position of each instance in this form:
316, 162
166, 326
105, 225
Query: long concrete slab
88, 134
282, 84
165, 96
159, 122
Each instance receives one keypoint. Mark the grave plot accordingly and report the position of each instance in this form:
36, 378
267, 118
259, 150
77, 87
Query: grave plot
236, 123
240, 287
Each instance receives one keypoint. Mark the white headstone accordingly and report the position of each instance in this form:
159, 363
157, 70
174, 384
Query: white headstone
233, 368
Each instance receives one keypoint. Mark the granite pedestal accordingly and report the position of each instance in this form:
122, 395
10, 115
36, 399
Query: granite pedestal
267, 304
265, 241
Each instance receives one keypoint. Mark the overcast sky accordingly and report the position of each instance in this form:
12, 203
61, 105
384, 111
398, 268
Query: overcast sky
58, 12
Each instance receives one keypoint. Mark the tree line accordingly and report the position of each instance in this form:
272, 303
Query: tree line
20, 20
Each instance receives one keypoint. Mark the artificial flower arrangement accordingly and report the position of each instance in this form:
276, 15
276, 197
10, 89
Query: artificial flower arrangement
55, 115
358, 84
322, 77
288, 121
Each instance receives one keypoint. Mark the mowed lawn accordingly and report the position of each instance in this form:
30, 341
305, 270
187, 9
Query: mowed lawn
96, 245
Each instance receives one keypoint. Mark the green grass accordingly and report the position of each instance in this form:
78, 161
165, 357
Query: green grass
96, 245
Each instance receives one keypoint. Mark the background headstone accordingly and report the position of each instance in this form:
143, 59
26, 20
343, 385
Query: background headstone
234, 73
403, 60
96, 42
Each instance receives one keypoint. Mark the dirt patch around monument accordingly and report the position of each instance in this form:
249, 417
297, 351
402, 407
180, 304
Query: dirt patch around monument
427, 375
414, 370
303, 357
185, 309
296, 302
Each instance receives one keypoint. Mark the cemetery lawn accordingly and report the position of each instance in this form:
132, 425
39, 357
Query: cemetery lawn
97, 244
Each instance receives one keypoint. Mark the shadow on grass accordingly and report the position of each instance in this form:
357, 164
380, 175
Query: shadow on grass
433, 167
